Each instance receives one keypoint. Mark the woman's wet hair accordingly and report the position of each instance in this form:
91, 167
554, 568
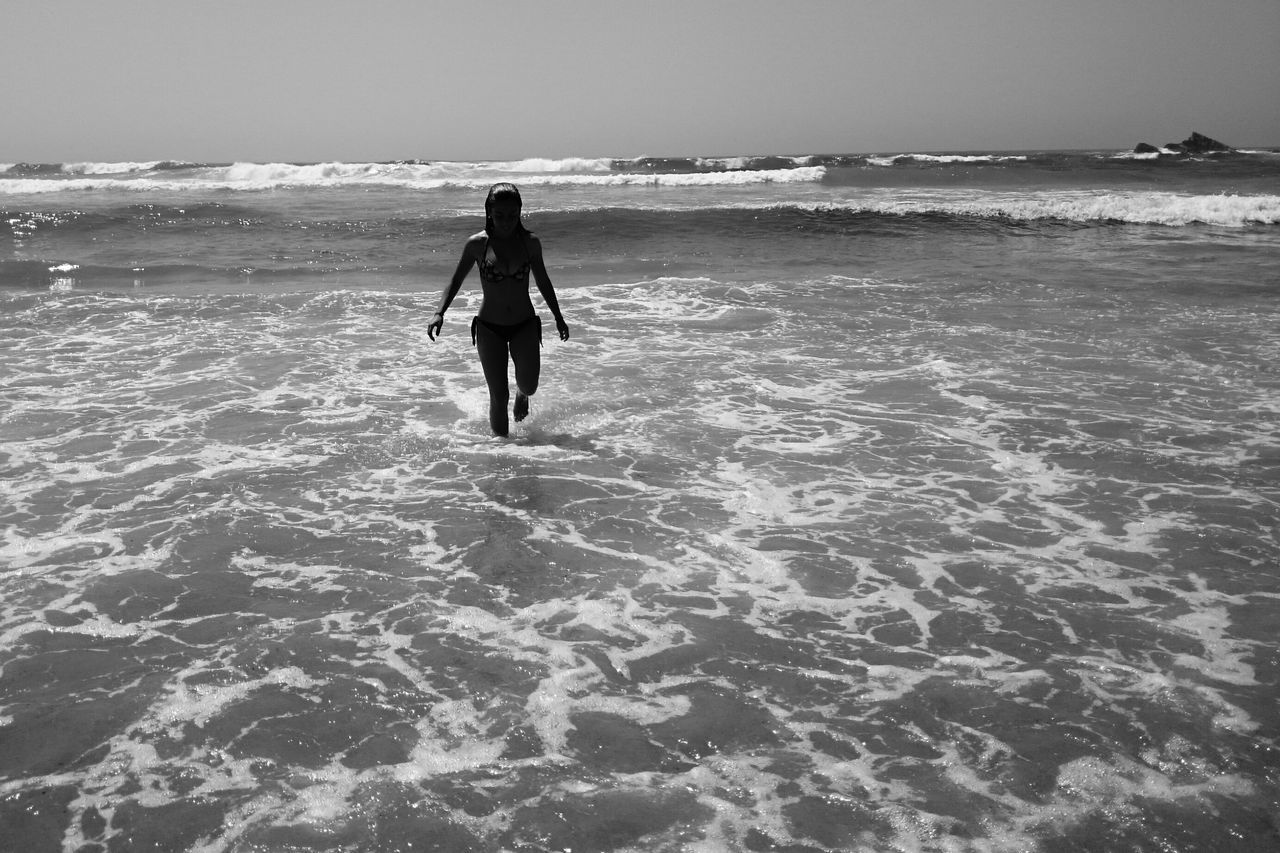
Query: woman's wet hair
500, 192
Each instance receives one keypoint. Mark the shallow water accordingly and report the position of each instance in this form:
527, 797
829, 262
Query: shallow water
841, 564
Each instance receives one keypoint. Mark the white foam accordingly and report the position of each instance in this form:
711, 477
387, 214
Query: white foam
450, 741
806, 174
1119, 780
1137, 155
250, 177
109, 168
1150, 208
567, 164
693, 489
38, 186
1224, 658
885, 160
726, 163
103, 627
200, 703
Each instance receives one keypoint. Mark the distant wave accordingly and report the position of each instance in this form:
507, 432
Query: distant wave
267, 176
229, 243
109, 168
941, 205
805, 174
170, 175
567, 164
24, 169
1151, 208
945, 159
425, 169
939, 208
943, 208
128, 168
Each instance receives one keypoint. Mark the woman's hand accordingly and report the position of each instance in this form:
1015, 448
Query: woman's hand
563, 328
437, 325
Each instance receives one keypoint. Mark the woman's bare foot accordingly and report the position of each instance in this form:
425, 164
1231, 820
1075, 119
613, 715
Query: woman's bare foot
521, 408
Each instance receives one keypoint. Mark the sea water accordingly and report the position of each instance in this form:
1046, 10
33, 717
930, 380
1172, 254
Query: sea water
876, 503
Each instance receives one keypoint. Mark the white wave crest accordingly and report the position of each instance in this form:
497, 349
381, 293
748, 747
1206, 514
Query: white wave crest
567, 164
895, 159
744, 163
1141, 208
1233, 211
727, 163
109, 168
266, 176
38, 186
807, 174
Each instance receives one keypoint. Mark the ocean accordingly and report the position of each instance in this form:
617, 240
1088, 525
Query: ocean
890, 502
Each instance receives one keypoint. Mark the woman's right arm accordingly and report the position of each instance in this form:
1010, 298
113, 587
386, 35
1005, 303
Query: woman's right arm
451, 289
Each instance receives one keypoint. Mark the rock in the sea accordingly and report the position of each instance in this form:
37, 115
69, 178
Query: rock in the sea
1144, 148
1198, 143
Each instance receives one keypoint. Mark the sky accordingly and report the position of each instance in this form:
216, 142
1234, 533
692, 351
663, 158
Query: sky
376, 80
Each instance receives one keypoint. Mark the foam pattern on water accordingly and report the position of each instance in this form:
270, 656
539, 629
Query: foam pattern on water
859, 567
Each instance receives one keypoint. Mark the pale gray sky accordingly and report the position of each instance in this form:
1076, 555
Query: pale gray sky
319, 80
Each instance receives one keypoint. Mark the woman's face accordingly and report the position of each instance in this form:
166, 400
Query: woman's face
505, 214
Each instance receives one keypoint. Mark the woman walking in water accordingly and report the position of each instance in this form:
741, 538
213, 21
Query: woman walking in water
507, 326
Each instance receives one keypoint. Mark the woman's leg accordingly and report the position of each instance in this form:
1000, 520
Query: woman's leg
528, 363
493, 359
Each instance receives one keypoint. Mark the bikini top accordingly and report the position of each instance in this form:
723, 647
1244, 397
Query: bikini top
489, 269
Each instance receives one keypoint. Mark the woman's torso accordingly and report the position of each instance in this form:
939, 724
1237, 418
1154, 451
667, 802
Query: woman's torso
504, 278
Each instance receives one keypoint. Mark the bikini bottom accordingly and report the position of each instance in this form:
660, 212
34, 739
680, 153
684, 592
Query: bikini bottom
507, 333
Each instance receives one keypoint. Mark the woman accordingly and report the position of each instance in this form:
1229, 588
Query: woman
507, 326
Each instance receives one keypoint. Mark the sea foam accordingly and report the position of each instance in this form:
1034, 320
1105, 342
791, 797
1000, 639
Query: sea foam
1145, 208
250, 177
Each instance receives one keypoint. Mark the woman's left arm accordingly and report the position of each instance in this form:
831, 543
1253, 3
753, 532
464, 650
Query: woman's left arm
543, 281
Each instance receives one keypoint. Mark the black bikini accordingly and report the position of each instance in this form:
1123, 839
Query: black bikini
489, 272
489, 269
507, 332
